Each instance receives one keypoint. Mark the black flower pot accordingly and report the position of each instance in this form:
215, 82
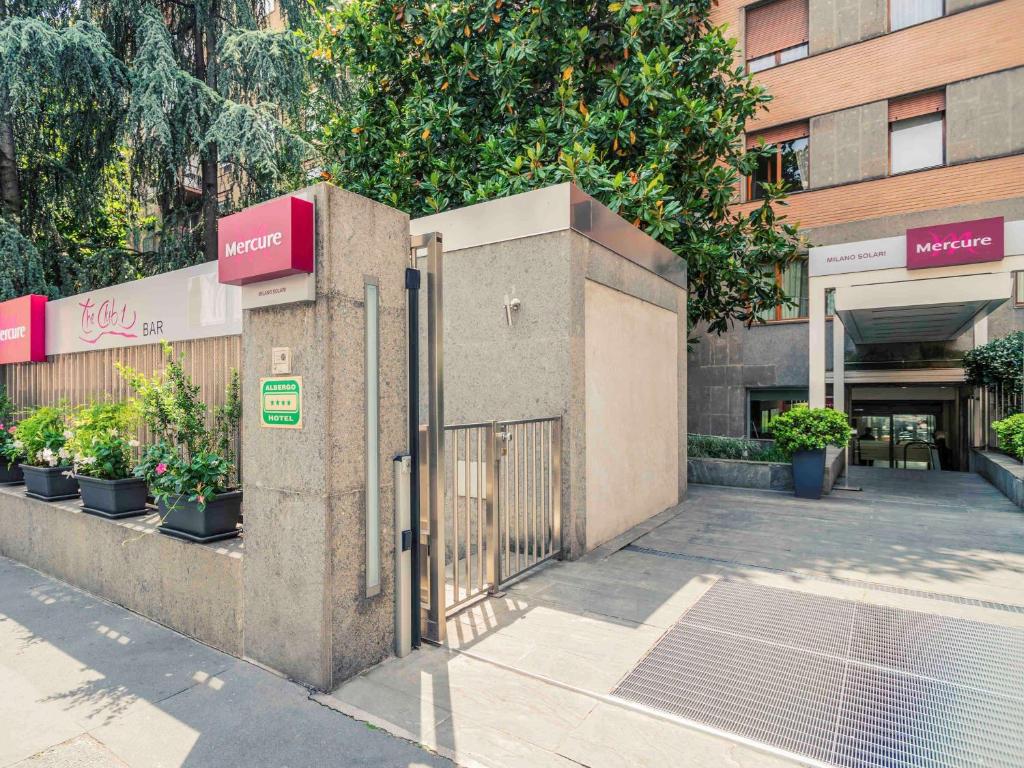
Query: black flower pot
49, 483
183, 519
808, 473
113, 499
10, 474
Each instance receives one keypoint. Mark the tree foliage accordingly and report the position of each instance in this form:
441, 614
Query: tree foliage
1000, 362
108, 107
641, 105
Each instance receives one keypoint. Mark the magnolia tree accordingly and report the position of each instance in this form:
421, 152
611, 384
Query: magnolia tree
641, 105
104, 103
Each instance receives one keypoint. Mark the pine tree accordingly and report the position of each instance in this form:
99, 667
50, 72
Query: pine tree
106, 104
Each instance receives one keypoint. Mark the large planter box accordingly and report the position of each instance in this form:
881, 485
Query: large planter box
808, 473
49, 483
114, 499
10, 475
739, 473
1004, 472
766, 475
183, 519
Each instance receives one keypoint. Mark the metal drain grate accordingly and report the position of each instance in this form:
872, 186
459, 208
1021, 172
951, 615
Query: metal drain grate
843, 682
874, 585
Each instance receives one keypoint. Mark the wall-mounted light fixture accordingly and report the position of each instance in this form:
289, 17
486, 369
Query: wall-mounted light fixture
512, 306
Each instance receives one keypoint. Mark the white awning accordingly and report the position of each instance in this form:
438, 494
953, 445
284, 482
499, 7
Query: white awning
936, 309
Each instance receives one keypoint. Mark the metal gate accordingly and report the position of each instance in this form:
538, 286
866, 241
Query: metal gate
488, 494
501, 515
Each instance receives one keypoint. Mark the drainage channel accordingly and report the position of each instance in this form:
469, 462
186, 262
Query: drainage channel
840, 682
873, 585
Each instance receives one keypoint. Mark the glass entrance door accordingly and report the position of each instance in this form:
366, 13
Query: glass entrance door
887, 435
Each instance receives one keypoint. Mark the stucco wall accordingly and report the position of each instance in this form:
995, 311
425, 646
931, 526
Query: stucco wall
985, 116
849, 145
632, 418
835, 23
537, 367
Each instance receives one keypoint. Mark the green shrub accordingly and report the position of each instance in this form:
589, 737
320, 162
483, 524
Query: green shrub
103, 444
7, 429
1011, 434
189, 459
715, 447
809, 429
41, 438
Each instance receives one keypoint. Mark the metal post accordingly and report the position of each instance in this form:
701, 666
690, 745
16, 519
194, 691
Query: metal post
490, 494
412, 285
431, 241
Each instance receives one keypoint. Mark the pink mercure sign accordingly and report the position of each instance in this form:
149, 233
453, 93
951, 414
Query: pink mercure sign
965, 242
270, 240
23, 330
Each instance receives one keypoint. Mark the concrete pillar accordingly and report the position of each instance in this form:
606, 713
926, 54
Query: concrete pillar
306, 609
838, 364
816, 345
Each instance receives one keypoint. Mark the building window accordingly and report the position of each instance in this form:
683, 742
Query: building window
792, 278
907, 13
776, 34
766, 404
789, 161
1018, 289
917, 132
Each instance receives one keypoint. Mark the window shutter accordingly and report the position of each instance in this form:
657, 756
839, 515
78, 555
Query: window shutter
916, 105
780, 133
774, 26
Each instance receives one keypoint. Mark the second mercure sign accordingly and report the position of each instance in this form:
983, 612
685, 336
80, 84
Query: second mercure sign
965, 242
267, 241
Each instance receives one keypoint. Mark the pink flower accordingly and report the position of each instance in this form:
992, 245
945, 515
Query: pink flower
11, 430
161, 468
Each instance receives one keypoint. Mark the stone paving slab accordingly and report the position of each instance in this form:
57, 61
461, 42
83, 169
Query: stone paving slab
87, 684
537, 665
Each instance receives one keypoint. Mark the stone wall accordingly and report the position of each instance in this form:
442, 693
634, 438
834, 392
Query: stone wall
985, 116
195, 589
835, 23
849, 145
1004, 472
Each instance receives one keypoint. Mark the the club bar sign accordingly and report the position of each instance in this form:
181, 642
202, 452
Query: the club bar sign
965, 242
23, 330
265, 242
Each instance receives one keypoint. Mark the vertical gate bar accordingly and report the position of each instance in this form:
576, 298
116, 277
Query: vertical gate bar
515, 464
425, 534
480, 508
501, 513
556, 483
545, 449
455, 517
469, 517
533, 492
492, 506
437, 625
527, 490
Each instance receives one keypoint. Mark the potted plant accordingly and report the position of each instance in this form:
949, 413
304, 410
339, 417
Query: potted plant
10, 456
190, 469
41, 437
103, 460
803, 433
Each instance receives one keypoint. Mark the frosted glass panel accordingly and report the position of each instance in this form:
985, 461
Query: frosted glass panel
916, 143
372, 440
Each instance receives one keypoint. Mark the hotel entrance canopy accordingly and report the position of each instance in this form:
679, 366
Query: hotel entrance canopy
935, 309
931, 284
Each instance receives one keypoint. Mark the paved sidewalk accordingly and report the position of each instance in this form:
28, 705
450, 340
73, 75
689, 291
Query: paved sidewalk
87, 684
526, 680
